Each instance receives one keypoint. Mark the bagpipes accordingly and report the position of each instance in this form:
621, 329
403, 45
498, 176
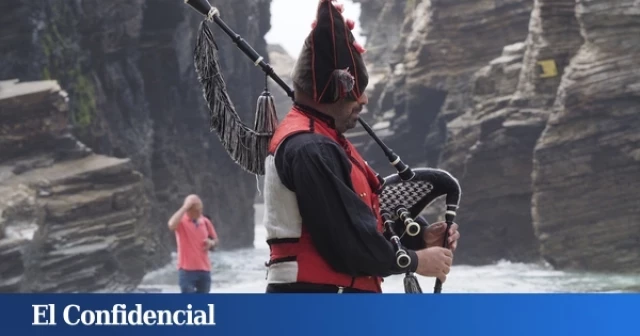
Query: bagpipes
403, 196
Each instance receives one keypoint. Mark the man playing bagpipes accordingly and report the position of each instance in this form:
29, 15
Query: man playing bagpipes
321, 208
333, 224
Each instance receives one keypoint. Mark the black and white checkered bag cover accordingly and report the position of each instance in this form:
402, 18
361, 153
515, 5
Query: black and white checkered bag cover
418, 193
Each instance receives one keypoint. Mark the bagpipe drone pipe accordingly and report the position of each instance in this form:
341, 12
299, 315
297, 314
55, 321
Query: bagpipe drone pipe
403, 196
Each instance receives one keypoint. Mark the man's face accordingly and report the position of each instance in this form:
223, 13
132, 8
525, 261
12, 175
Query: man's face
348, 112
195, 211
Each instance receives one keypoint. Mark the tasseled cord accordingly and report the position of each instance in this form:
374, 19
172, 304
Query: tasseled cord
411, 284
247, 147
266, 119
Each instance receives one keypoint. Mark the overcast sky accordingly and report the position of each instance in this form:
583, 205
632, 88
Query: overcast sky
291, 22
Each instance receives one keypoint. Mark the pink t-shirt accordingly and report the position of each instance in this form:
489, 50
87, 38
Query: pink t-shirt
190, 240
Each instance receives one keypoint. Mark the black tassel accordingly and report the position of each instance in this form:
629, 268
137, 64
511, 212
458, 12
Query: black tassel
266, 119
247, 147
411, 284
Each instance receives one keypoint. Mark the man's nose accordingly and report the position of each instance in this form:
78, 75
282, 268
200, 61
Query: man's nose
364, 99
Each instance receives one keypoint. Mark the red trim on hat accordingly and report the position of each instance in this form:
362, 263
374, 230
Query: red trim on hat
356, 87
333, 38
313, 68
325, 87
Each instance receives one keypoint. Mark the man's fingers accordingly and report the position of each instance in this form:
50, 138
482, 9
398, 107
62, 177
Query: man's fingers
448, 261
447, 252
453, 228
438, 227
442, 277
453, 237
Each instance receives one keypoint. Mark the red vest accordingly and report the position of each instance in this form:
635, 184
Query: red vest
311, 266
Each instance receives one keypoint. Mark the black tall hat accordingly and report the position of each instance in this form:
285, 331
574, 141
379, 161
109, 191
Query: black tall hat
330, 65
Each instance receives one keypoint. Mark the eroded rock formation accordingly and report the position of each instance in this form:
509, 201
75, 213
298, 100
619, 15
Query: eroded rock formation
586, 172
543, 136
434, 79
491, 145
489, 150
70, 220
442, 45
128, 68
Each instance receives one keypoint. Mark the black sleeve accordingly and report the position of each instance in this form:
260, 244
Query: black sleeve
342, 226
413, 243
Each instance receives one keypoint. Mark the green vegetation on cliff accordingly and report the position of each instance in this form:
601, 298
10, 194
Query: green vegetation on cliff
64, 63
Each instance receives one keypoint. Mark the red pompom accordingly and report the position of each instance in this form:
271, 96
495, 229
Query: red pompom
359, 48
350, 24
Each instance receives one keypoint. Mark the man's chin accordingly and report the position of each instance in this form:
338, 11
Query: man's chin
351, 125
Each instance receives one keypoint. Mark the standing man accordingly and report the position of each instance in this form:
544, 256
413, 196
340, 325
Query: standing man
195, 236
321, 208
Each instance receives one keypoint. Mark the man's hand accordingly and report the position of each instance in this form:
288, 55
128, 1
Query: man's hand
189, 201
434, 262
434, 235
209, 244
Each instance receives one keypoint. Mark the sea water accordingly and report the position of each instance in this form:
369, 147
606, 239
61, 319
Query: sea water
243, 271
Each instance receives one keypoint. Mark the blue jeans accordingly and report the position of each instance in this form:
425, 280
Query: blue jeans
194, 281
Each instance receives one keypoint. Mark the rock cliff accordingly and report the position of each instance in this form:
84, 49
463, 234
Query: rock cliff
490, 147
439, 73
70, 220
537, 124
426, 79
128, 68
586, 167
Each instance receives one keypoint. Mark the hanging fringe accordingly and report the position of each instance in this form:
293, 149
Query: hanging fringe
258, 186
248, 148
411, 284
